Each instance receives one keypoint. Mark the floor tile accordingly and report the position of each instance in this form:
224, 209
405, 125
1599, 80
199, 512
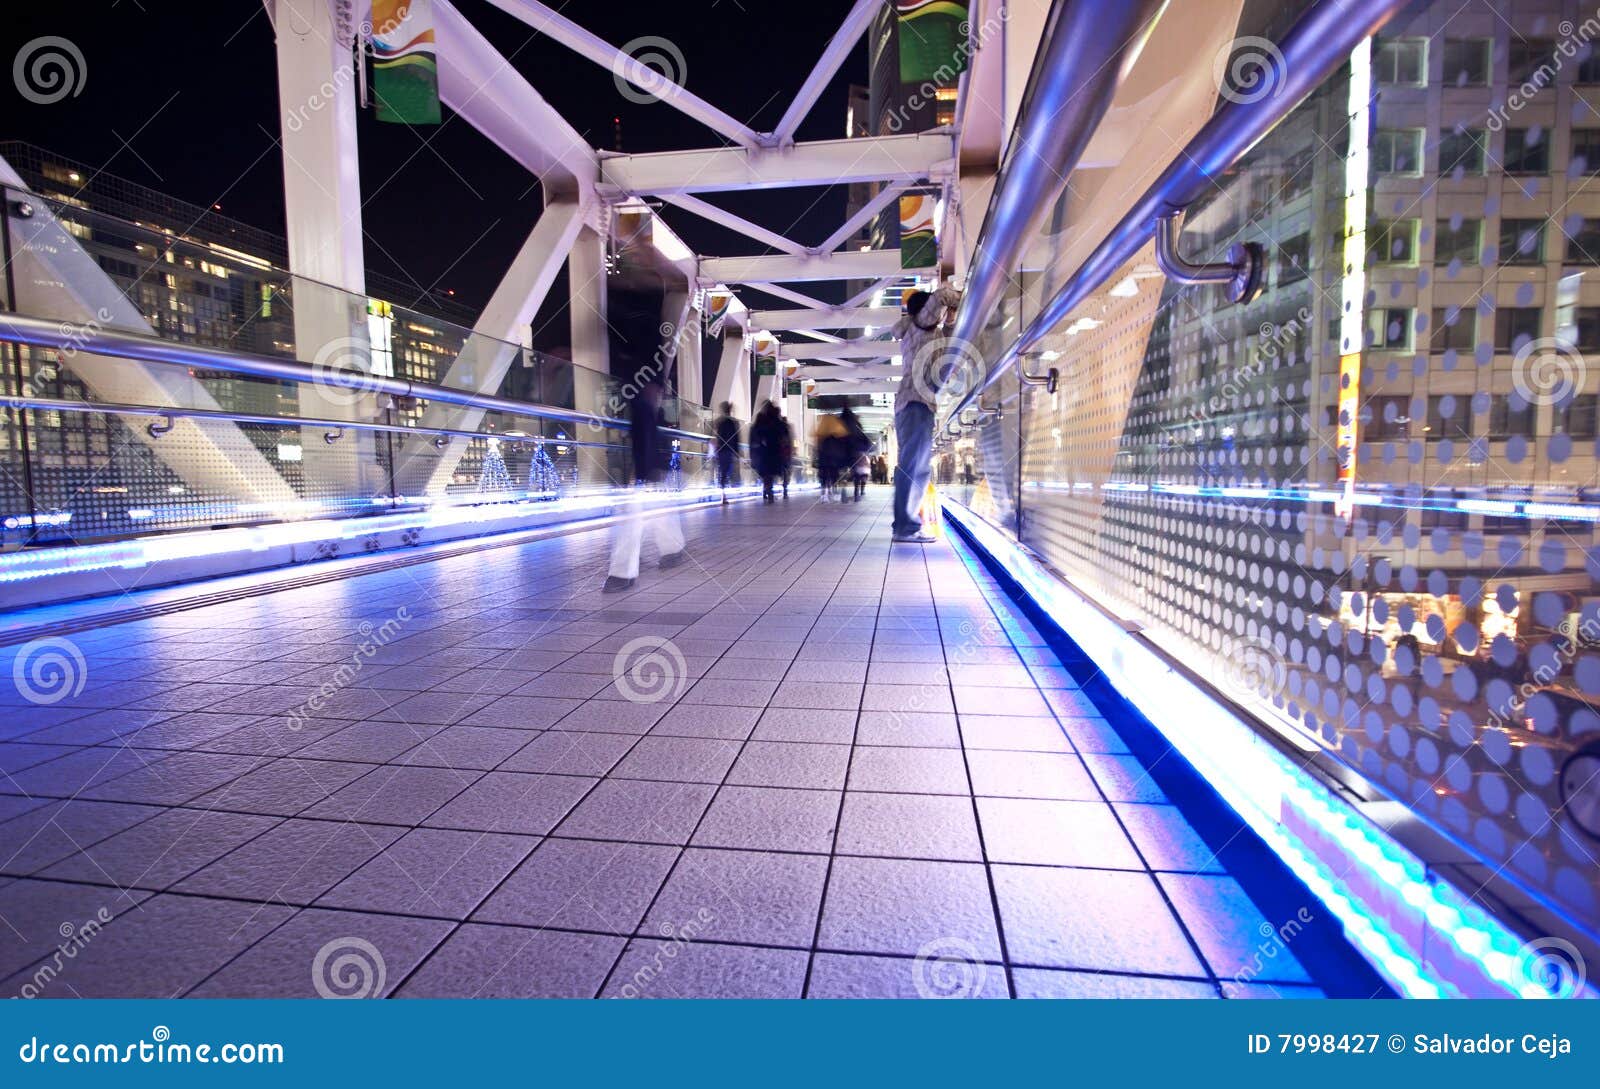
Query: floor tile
909, 826
908, 771
770, 819
394, 795
908, 728
879, 905
632, 811
292, 863
512, 802
1050, 983
678, 760
1090, 919
1166, 839
328, 954
522, 712
791, 764
1000, 774
431, 871
1238, 942
581, 885
811, 724
561, 753
708, 720
164, 849
749, 897
1055, 833
841, 975
513, 962
667, 969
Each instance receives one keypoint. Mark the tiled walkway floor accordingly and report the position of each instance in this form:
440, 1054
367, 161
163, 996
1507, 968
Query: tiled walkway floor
803, 764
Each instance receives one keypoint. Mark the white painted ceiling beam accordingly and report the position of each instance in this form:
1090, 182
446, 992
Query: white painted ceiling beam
844, 265
829, 318
903, 159
708, 211
833, 56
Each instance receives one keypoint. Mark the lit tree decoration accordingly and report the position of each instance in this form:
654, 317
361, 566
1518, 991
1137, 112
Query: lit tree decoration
543, 479
493, 476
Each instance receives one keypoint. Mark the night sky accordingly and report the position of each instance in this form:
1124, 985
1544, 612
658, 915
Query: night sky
182, 97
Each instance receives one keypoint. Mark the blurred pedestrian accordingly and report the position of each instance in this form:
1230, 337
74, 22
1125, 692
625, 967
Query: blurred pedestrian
832, 452
769, 450
727, 436
919, 331
652, 456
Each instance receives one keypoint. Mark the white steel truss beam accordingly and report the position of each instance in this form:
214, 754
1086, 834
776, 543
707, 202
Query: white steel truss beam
707, 210
860, 317
838, 49
904, 159
864, 216
844, 265
849, 349
624, 66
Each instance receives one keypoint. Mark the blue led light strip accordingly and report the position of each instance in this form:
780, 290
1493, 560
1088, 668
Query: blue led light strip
1382, 894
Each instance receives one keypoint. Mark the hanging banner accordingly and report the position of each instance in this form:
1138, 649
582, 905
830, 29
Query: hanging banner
766, 362
717, 305
933, 40
918, 246
405, 67
792, 388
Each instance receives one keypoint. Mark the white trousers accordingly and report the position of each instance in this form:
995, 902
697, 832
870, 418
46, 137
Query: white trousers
628, 536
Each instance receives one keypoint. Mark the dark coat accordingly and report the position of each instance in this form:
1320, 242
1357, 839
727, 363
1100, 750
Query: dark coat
652, 450
727, 435
770, 444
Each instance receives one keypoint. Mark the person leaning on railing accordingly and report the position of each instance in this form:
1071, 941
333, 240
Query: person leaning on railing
919, 328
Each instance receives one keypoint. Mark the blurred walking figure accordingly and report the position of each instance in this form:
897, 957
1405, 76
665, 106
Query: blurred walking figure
918, 331
833, 452
771, 446
652, 454
859, 446
727, 434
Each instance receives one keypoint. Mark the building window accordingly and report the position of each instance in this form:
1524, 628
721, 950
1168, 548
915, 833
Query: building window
1392, 242
1397, 151
1514, 326
1466, 62
1586, 150
1294, 259
1453, 328
1577, 418
1589, 67
1586, 334
1457, 425
1458, 243
1461, 151
1506, 419
1387, 418
1530, 61
1521, 241
1527, 151
1583, 247
1389, 329
1401, 62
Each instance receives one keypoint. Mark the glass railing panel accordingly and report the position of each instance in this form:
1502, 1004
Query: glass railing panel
1364, 504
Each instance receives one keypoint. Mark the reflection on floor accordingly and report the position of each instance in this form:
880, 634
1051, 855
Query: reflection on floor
804, 763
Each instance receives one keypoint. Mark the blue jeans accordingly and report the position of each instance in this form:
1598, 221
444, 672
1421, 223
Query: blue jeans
913, 434
724, 468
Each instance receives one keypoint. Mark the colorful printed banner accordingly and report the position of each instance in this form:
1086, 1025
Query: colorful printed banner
405, 66
717, 305
933, 40
919, 248
767, 361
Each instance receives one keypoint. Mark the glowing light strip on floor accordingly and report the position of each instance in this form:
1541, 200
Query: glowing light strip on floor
141, 552
1381, 893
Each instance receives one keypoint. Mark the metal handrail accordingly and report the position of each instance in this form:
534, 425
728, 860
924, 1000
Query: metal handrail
49, 404
95, 340
1312, 50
